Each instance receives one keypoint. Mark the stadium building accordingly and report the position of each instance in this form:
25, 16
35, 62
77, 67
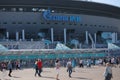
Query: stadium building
26, 24
59, 20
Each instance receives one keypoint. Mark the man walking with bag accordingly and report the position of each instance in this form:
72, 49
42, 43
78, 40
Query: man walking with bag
69, 67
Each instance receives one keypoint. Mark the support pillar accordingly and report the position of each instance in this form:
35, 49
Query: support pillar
113, 37
7, 35
23, 34
95, 36
116, 37
64, 35
86, 37
52, 36
17, 36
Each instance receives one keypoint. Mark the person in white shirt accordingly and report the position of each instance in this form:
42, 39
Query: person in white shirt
57, 66
108, 72
69, 67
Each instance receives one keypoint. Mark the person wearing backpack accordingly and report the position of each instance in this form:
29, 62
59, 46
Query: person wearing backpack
69, 67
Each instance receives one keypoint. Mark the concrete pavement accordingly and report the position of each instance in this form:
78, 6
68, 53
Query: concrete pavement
94, 73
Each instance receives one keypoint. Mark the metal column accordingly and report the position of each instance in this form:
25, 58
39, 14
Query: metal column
7, 35
23, 35
17, 36
52, 36
64, 35
86, 37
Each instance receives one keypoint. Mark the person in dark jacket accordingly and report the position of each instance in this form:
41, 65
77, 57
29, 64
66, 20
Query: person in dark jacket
36, 67
9, 68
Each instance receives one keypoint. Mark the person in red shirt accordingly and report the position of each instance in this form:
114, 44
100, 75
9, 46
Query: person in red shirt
39, 64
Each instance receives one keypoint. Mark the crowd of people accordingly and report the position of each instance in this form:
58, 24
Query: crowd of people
70, 64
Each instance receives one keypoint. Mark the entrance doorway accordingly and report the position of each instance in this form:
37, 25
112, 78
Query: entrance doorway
2, 33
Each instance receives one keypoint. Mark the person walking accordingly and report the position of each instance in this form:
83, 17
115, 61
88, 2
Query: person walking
4, 72
108, 72
9, 68
69, 67
73, 65
36, 68
57, 67
39, 64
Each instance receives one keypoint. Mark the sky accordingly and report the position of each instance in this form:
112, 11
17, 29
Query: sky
111, 2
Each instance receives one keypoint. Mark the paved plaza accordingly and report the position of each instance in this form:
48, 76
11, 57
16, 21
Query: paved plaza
93, 73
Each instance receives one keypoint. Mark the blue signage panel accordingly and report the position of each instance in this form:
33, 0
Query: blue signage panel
48, 16
52, 56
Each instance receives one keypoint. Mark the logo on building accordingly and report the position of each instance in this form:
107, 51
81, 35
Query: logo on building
49, 16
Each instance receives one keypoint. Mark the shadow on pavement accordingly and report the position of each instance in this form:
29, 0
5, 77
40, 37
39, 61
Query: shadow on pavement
16, 77
81, 78
47, 77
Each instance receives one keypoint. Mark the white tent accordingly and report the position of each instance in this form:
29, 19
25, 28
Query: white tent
61, 46
2, 48
113, 46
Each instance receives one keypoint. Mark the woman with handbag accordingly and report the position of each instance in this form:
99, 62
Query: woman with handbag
108, 72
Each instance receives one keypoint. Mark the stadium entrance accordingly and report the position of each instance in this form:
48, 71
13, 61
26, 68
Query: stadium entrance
2, 32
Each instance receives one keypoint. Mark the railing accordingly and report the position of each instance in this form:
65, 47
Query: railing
23, 44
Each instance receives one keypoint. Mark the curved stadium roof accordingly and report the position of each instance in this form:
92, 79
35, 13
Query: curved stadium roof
80, 7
